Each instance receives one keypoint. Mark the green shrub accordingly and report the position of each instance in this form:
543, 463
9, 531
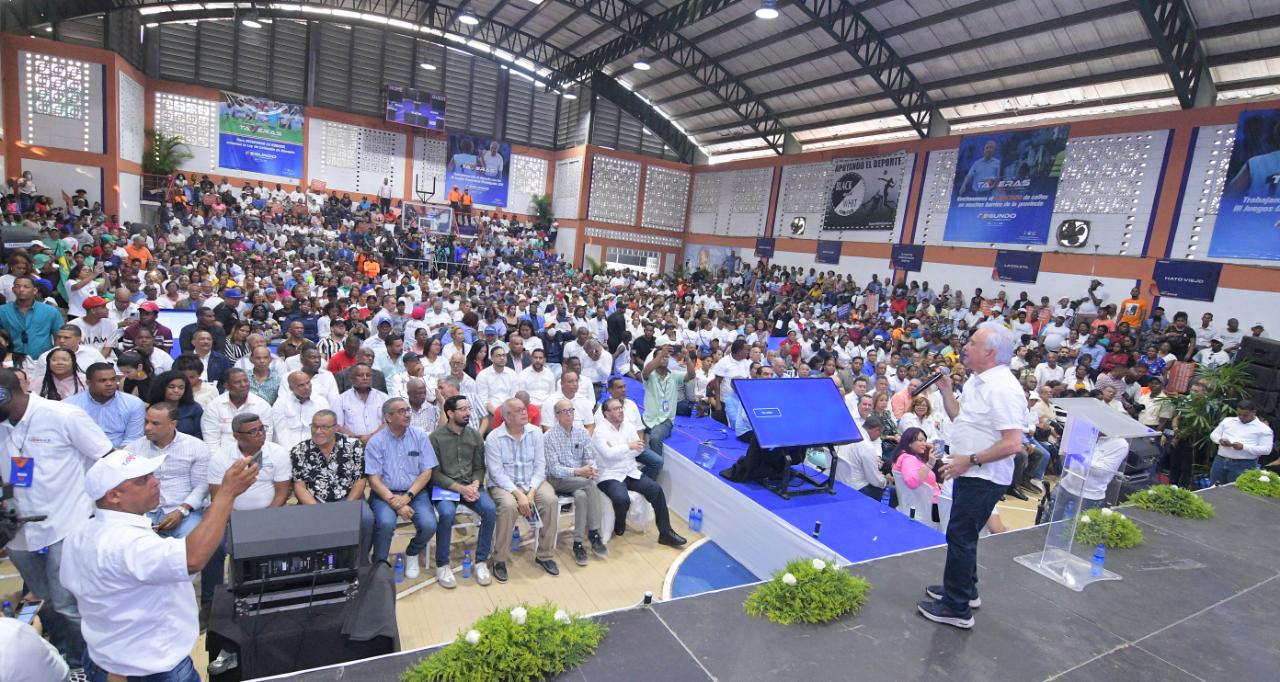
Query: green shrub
803, 593
1110, 528
499, 648
1170, 499
1260, 482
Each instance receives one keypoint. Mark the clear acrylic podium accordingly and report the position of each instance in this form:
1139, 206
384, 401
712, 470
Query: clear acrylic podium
1086, 419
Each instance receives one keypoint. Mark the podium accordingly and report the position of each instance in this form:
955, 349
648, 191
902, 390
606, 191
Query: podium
1086, 419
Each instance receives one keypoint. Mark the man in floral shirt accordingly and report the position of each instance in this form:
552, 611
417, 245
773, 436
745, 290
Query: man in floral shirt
329, 467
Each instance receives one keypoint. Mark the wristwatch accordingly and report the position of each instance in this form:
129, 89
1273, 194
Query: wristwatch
184, 511
973, 459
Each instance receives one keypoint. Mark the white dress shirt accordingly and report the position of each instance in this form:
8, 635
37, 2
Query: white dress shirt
215, 425
992, 401
184, 475
539, 385
323, 385
582, 409
276, 468
630, 415
291, 420
494, 387
358, 416
138, 616
1255, 436
1108, 455
614, 456
861, 464
63, 442
25, 656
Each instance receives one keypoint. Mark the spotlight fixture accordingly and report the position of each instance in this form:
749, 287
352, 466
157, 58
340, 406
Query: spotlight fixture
427, 67
641, 65
469, 19
768, 10
250, 18
568, 95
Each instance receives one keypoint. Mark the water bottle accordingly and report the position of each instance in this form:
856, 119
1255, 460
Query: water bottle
1099, 558
693, 519
912, 514
399, 568
466, 563
699, 519
8, 609
1070, 510
884, 502
515, 539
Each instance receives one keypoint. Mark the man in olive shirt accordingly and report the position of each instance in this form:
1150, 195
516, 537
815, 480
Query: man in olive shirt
459, 479
662, 390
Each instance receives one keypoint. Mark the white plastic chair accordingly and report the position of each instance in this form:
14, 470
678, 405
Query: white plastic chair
921, 498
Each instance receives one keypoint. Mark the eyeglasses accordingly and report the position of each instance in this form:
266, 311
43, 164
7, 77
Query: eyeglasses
403, 410
324, 426
565, 410
253, 432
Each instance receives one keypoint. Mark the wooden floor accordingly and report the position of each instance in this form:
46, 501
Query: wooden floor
636, 564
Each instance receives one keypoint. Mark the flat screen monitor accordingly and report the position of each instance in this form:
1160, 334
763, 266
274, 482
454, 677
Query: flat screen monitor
415, 108
796, 412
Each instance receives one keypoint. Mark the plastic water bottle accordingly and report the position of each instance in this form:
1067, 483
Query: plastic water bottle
693, 519
699, 528
1099, 558
884, 502
1071, 509
912, 515
8, 609
515, 539
466, 563
399, 568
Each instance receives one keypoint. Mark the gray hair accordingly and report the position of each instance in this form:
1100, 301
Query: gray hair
389, 407
324, 413
452, 381
1000, 339
241, 419
415, 382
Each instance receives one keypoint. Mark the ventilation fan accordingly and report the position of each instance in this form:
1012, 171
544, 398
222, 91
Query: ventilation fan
797, 226
1073, 233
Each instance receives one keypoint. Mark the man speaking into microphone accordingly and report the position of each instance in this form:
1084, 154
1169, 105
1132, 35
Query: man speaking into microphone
984, 436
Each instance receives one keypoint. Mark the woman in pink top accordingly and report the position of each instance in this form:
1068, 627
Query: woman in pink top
913, 461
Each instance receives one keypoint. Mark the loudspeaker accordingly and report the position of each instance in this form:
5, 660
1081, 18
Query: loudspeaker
1260, 377
1260, 351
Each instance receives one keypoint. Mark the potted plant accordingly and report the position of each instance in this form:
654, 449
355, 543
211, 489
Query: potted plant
542, 210
164, 153
1197, 414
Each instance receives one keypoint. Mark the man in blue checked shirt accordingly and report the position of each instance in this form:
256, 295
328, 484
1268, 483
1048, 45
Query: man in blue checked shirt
398, 460
119, 414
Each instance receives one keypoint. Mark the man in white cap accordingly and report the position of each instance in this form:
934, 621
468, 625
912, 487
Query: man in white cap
133, 586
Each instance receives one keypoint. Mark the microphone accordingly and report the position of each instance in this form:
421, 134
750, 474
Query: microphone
927, 383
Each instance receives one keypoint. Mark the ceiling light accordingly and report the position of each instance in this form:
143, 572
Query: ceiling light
768, 10
428, 67
469, 19
568, 95
250, 19
641, 65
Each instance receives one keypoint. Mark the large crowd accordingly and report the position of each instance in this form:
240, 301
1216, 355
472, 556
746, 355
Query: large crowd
428, 373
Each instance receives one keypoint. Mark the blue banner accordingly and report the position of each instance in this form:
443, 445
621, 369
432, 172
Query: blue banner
907, 257
1004, 186
480, 165
1190, 279
1248, 223
828, 252
1017, 266
259, 135
764, 247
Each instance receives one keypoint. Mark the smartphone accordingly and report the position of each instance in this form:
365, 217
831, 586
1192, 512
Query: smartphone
29, 611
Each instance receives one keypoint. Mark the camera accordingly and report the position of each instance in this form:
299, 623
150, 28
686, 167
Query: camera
10, 522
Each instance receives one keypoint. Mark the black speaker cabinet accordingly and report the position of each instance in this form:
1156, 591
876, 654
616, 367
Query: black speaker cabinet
1260, 377
1260, 351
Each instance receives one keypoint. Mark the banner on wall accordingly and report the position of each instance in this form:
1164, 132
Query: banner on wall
260, 135
765, 246
828, 252
425, 218
1248, 224
711, 258
864, 192
907, 257
1004, 186
481, 165
1193, 280
1017, 266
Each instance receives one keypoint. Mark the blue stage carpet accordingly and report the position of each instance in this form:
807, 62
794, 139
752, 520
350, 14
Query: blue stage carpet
854, 526
709, 568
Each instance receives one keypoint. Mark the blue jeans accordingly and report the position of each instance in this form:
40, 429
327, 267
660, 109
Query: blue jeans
659, 435
447, 509
972, 502
385, 519
650, 463
42, 573
185, 671
184, 527
1224, 470
1043, 464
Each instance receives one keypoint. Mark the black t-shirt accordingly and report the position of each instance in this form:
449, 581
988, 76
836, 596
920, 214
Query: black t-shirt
1181, 340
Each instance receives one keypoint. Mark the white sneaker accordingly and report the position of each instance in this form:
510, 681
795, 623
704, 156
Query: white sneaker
482, 573
411, 567
444, 576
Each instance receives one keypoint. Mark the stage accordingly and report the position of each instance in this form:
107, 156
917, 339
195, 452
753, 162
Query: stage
1197, 602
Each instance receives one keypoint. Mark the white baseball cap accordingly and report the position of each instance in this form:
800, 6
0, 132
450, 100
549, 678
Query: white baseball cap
116, 468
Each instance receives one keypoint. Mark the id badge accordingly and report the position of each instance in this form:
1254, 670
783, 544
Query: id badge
22, 471
666, 406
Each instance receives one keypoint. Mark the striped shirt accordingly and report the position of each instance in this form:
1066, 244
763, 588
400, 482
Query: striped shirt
566, 450
184, 475
515, 464
399, 460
